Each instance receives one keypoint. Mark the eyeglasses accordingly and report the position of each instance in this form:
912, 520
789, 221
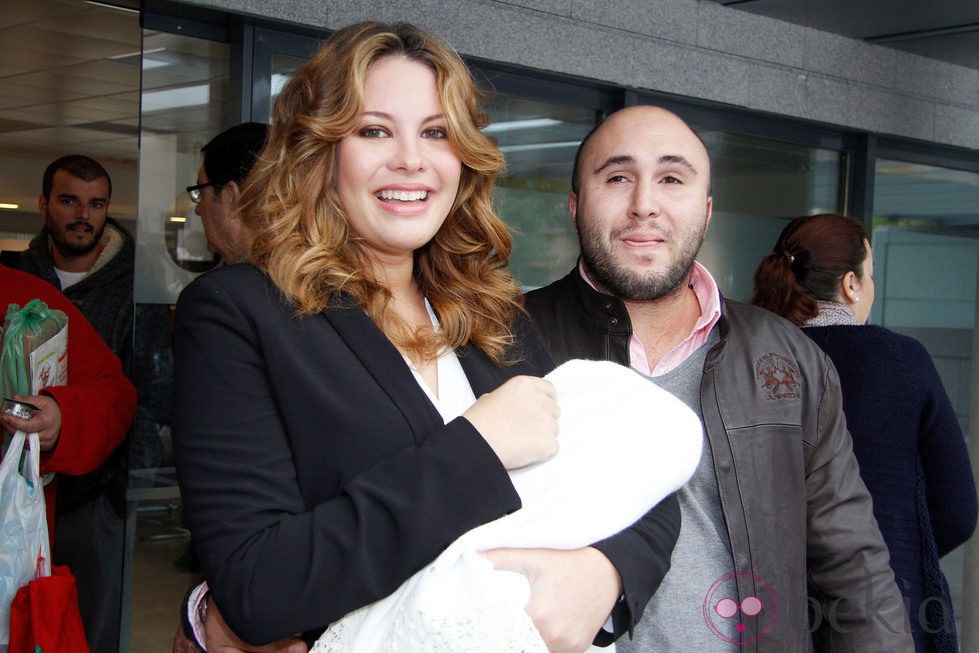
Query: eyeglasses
195, 191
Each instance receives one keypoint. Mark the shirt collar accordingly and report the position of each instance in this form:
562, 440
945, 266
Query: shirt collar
709, 298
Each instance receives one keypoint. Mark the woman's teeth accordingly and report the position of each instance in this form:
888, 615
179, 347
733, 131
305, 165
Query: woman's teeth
403, 195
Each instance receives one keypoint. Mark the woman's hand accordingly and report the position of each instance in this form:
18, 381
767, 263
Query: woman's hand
518, 420
46, 422
572, 592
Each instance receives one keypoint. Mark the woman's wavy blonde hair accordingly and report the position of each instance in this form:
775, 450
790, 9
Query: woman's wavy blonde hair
302, 236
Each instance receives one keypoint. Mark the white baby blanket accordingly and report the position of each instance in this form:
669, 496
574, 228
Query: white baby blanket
625, 444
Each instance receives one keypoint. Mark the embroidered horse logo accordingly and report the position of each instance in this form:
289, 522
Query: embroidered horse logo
779, 376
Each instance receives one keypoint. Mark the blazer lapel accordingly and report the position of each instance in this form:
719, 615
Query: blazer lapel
484, 376
385, 364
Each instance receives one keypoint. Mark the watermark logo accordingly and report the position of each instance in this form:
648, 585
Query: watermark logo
752, 617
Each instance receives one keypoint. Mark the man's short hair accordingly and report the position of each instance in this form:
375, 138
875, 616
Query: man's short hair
579, 153
229, 156
76, 165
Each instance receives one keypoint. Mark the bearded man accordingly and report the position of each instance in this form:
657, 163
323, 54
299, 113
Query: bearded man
777, 537
83, 252
89, 257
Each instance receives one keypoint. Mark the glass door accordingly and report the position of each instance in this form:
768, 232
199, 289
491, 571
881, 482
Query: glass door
185, 99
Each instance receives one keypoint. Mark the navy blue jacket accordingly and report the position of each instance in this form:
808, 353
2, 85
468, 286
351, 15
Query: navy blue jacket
914, 460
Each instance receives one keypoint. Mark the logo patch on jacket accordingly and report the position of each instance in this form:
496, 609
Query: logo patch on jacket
779, 376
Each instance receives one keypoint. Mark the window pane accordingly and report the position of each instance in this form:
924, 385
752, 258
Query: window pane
926, 257
925, 229
186, 100
758, 186
283, 68
539, 140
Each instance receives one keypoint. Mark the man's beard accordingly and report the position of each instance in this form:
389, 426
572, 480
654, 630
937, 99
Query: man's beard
71, 248
596, 250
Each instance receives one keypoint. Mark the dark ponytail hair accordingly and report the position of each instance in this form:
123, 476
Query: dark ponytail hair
810, 258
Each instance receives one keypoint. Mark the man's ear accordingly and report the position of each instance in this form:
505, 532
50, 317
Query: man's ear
42, 206
573, 209
710, 208
235, 190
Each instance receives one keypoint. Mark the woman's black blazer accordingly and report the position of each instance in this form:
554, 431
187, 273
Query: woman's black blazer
315, 473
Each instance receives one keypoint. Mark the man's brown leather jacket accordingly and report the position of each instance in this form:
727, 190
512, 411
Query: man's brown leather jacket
803, 535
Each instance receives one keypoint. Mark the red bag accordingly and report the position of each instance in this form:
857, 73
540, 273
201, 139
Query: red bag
44, 616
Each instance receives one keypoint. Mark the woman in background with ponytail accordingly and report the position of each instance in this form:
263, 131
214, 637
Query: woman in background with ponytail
906, 436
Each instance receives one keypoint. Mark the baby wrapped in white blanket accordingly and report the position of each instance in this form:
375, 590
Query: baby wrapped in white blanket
625, 444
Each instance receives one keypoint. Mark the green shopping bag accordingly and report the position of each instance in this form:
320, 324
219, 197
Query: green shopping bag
34, 349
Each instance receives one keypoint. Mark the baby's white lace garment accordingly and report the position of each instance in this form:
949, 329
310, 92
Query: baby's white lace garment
625, 444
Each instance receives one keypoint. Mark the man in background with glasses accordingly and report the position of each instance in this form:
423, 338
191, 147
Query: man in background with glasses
228, 158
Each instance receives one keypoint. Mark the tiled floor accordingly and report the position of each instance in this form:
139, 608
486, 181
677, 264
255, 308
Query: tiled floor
158, 586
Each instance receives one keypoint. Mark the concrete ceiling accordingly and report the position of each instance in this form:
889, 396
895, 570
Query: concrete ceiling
69, 83
947, 30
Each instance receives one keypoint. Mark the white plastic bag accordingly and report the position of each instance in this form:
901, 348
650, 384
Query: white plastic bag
25, 552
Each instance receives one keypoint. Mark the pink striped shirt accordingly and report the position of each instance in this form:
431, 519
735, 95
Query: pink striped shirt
705, 288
